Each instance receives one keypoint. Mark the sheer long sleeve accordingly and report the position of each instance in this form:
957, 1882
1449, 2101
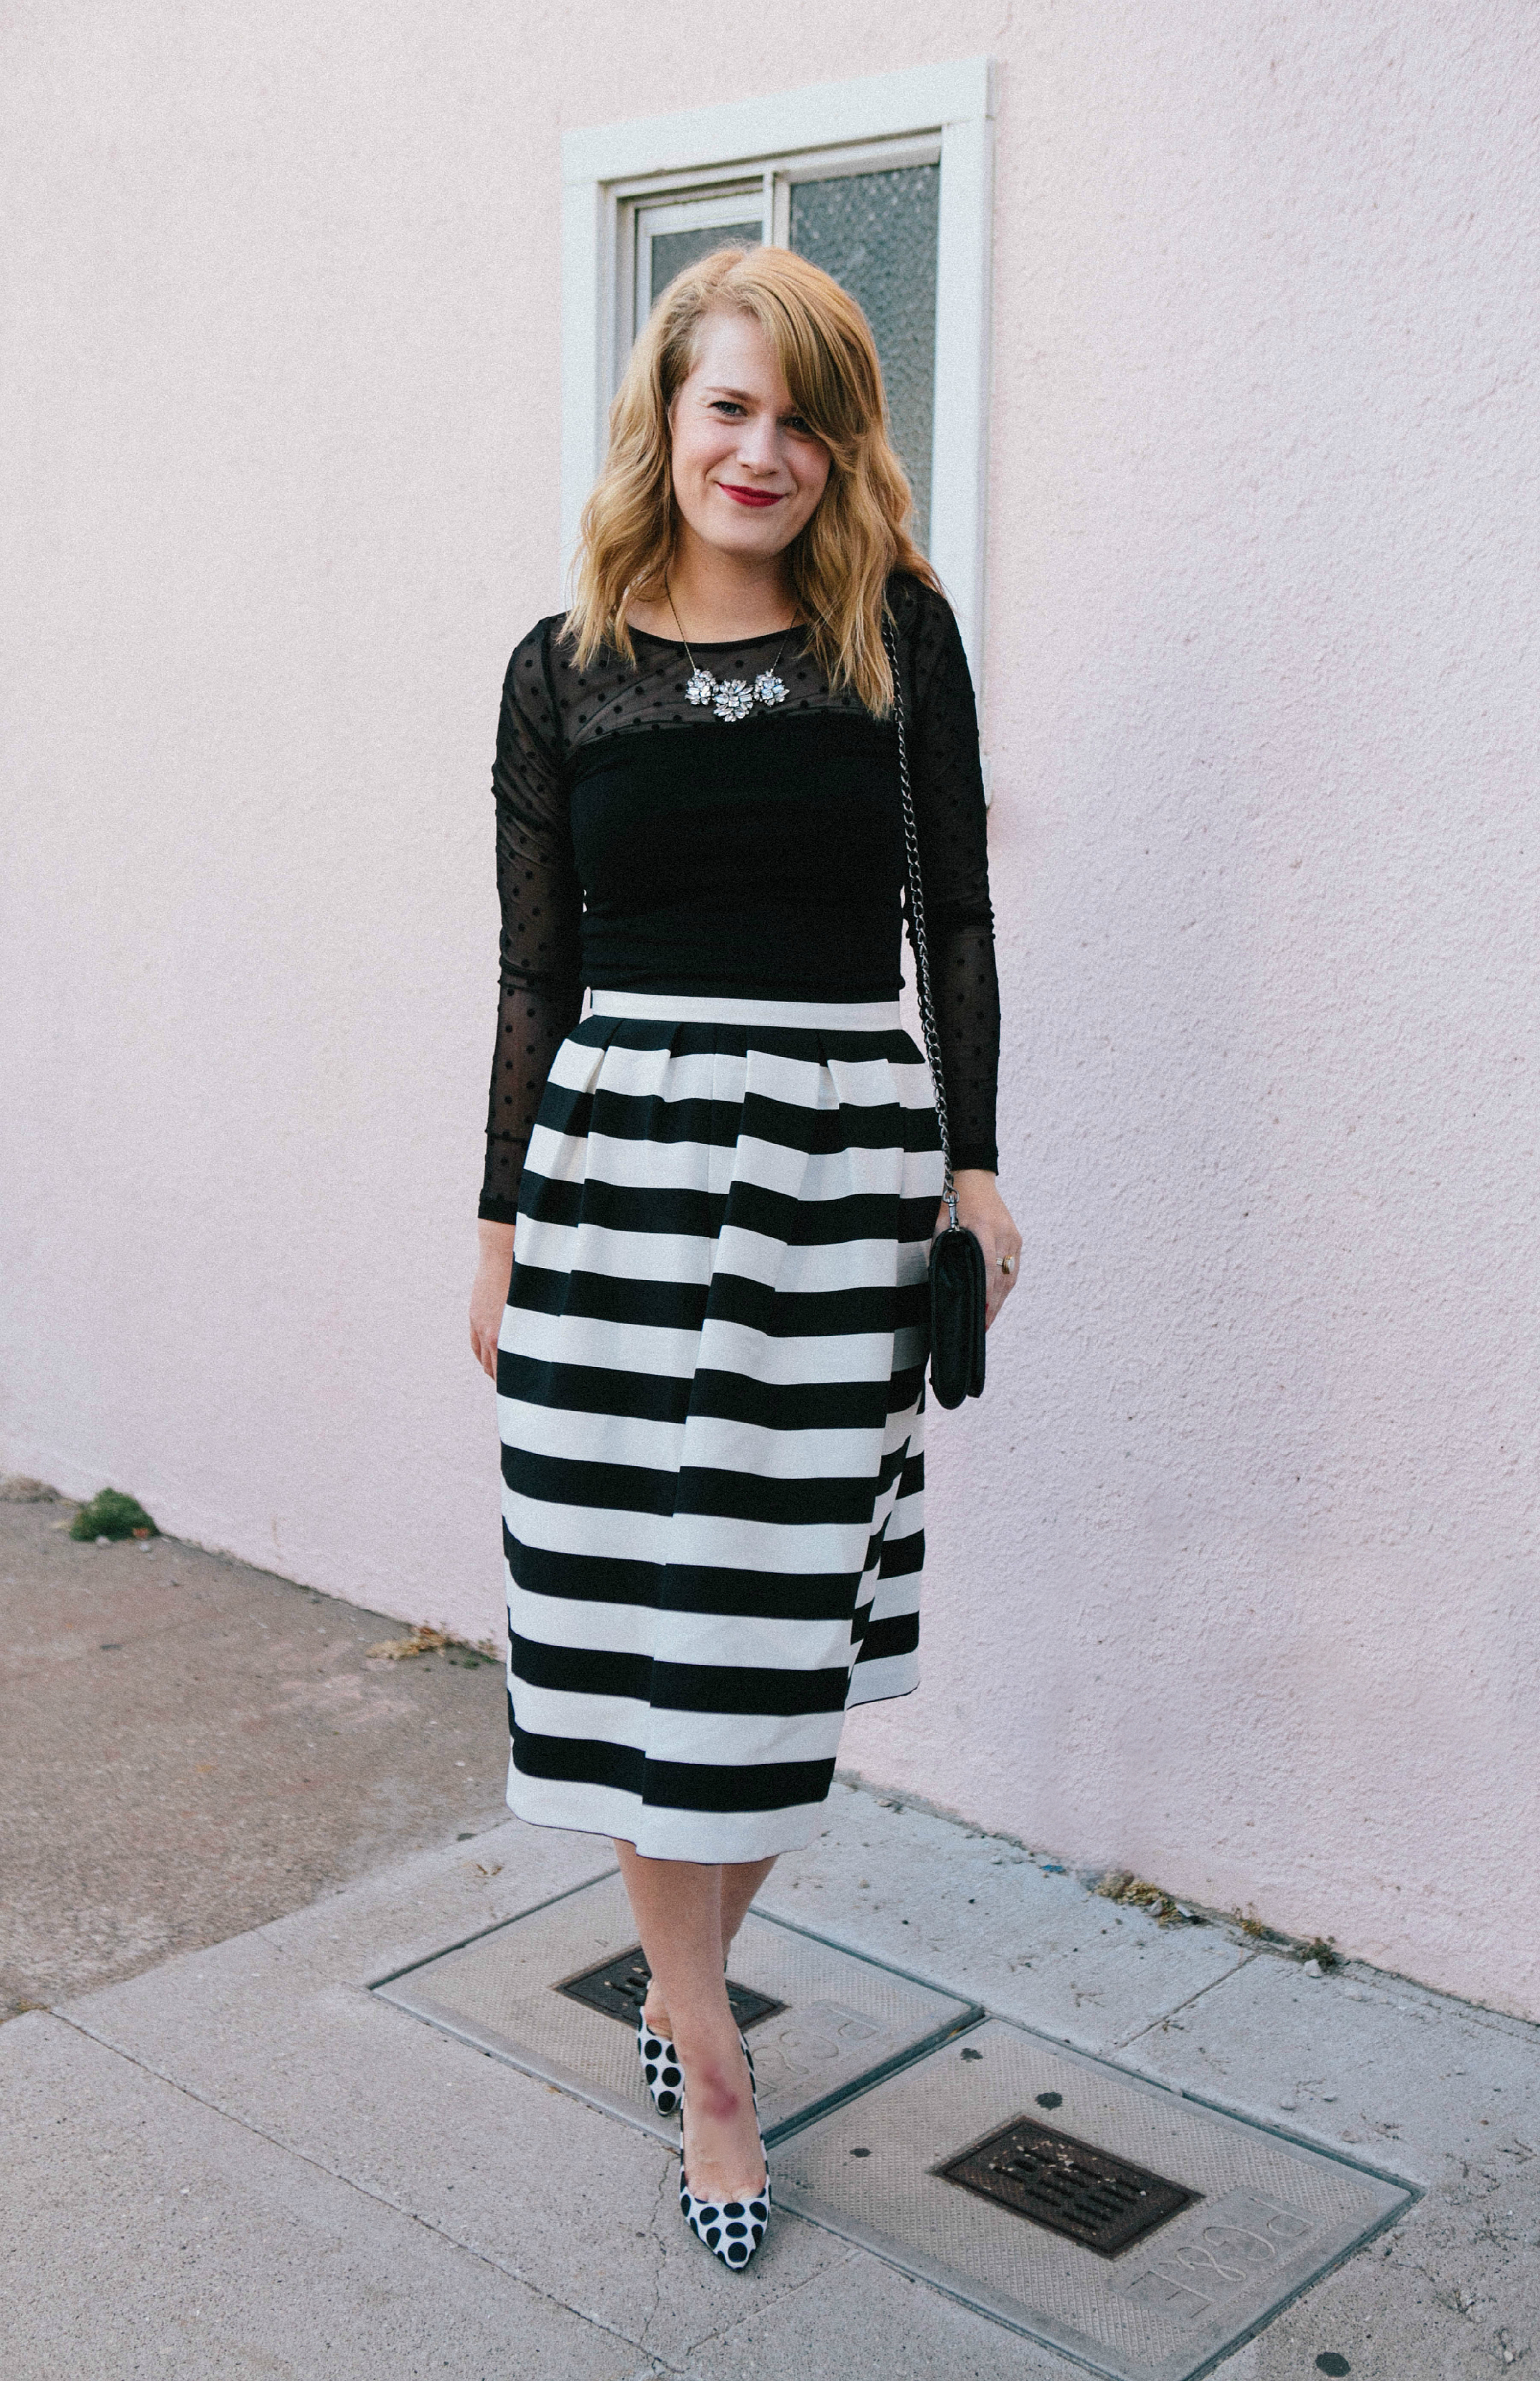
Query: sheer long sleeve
540, 965
954, 871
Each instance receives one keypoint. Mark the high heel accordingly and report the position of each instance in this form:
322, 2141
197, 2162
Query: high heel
660, 2067
731, 2228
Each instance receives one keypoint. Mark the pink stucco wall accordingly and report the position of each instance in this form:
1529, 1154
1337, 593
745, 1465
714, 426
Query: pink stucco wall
1233, 1575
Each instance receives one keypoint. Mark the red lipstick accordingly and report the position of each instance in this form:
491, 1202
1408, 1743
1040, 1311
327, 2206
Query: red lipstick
747, 496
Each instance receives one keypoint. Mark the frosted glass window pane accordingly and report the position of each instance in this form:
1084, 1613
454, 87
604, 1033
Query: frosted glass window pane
672, 251
877, 234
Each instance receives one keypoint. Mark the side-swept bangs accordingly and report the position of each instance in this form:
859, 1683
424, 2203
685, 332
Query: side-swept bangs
840, 561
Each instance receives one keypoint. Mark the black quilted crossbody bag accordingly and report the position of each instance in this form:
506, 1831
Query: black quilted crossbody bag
958, 1276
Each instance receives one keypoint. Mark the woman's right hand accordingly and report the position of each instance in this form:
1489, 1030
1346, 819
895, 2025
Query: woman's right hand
489, 1292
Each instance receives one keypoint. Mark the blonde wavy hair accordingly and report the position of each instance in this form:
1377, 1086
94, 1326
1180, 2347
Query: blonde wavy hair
840, 560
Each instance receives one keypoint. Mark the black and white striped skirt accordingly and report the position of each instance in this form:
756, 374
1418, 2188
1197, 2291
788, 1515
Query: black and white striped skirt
711, 1396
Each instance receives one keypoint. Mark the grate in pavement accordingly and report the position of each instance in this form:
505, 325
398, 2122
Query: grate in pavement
617, 1988
1105, 2203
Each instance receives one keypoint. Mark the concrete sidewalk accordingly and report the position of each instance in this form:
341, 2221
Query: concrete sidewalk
190, 1746
241, 2163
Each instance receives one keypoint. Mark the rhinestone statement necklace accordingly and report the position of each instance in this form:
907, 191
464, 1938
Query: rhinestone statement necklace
730, 698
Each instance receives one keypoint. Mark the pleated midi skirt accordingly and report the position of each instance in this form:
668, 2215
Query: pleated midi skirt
711, 1396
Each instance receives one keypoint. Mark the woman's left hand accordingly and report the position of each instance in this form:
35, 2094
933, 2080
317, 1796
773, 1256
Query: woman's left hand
982, 1209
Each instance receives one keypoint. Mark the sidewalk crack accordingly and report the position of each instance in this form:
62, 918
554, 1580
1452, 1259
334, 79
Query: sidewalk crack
1176, 2009
724, 2332
665, 2190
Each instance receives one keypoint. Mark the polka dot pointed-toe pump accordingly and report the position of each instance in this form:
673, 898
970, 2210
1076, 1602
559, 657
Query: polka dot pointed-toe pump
731, 2228
660, 2067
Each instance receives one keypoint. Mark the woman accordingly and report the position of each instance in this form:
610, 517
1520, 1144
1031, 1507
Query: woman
720, 1185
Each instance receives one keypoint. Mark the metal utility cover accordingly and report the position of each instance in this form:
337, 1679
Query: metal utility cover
840, 2019
1105, 2203
1270, 2215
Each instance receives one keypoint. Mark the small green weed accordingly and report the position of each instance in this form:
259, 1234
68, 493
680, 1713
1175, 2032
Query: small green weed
110, 1514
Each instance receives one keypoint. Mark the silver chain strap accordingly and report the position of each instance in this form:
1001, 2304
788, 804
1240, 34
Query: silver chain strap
917, 918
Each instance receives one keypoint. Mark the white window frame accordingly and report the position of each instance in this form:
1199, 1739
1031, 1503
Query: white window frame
635, 208
945, 110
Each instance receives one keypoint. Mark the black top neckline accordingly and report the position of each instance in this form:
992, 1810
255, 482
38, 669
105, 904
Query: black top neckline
720, 644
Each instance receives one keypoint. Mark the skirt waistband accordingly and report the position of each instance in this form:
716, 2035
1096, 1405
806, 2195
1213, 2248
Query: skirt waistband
713, 1008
